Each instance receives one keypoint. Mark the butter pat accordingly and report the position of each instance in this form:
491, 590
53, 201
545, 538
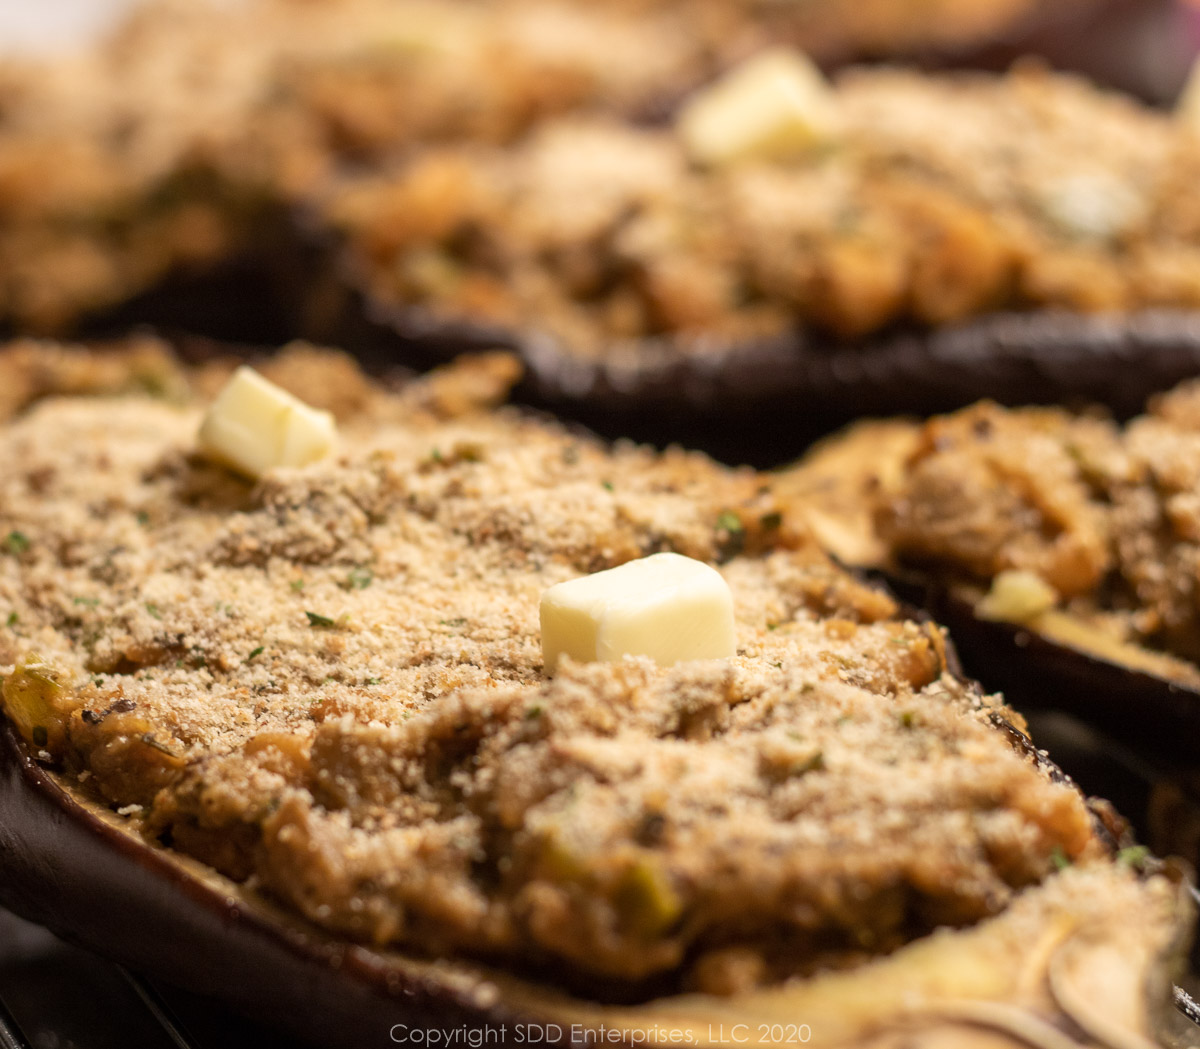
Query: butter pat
665, 606
1017, 597
254, 426
774, 106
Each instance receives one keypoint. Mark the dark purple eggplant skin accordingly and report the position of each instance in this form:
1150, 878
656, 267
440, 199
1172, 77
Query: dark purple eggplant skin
1143, 47
763, 402
66, 869
1036, 673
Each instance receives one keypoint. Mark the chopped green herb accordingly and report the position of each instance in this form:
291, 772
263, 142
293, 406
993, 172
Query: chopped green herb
772, 626
533, 712
359, 579
777, 666
1134, 856
13, 619
456, 621
314, 619
143, 518
907, 718
1059, 858
607, 485
373, 681
436, 455
730, 521
256, 653
16, 543
153, 611
40, 736
771, 521
297, 585
91, 602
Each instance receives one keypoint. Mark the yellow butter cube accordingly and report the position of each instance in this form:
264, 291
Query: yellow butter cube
254, 426
1017, 597
666, 606
775, 105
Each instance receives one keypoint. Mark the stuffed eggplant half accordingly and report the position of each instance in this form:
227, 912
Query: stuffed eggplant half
900, 235
583, 184
286, 732
1060, 546
182, 127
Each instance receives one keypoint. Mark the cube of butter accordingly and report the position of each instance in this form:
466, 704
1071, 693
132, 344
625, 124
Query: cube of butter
254, 426
775, 105
666, 606
1017, 596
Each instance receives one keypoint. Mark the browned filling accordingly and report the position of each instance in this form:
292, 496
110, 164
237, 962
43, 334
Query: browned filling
1107, 515
511, 175
329, 685
941, 198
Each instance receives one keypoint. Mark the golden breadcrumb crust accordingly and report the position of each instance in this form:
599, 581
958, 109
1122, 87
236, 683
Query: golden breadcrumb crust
329, 684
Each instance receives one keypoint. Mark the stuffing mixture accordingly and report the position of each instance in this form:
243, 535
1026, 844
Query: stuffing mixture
1043, 508
516, 163
939, 199
328, 685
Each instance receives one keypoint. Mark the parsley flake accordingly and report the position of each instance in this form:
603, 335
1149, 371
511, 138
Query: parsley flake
1059, 858
360, 578
16, 543
1134, 856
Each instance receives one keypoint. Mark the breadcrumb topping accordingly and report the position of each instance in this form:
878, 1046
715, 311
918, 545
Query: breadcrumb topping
942, 198
329, 685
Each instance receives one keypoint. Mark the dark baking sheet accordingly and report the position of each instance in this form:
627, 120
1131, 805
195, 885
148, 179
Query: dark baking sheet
55, 996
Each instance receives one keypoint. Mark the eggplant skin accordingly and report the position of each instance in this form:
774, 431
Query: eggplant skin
68, 865
1035, 671
762, 402
65, 866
